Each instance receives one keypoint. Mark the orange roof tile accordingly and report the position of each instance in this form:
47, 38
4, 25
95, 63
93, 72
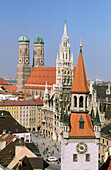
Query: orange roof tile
3, 82
76, 131
42, 74
10, 88
80, 84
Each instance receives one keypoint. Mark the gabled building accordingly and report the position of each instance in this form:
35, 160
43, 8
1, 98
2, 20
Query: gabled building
78, 142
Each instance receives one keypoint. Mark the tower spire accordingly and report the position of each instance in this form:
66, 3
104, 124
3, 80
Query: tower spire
80, 84
65, 29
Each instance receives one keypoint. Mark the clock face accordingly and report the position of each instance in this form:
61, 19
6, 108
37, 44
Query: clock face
81, 148
20, 60
26, 61
41, 61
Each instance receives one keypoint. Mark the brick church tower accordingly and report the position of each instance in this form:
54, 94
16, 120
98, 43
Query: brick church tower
23, 66
79, 148
38, 55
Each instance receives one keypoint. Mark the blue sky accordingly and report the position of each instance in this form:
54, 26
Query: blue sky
87, 20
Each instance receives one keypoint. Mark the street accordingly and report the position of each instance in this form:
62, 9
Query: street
48, 148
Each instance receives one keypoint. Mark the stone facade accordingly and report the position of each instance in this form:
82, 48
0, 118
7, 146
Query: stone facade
59, 96
23, 66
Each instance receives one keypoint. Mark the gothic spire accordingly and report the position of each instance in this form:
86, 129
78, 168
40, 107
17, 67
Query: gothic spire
80, 84
65, 29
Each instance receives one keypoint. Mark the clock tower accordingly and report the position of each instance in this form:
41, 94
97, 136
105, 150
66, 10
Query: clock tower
23, 66
79, 150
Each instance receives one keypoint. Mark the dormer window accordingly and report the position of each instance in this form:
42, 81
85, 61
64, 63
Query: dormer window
81, 123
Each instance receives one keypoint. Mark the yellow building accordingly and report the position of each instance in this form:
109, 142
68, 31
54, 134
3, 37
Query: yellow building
105, 141
28, 113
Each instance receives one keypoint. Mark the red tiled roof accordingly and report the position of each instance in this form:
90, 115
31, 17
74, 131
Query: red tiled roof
41, 75
76, 131
21, 103
10, 88
3, 82
80, 84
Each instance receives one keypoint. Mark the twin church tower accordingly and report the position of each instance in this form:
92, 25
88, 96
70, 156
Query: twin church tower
24, 68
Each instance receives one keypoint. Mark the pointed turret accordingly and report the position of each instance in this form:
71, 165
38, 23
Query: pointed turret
72, 57
46, 89
65, 29
80, 84
97, 119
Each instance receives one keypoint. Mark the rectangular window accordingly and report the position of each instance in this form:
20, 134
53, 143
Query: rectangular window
74, 157
107, 142
87, 157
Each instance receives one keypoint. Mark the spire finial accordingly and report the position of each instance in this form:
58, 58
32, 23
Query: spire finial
65, 30
81, 46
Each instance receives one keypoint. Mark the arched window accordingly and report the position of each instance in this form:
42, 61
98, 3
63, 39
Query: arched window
63, 55
86, 102
26, 51
66, 56
81, 101
75, 101
20, 51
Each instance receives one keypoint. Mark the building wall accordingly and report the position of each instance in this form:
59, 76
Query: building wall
103, 146
14, 111
69, 148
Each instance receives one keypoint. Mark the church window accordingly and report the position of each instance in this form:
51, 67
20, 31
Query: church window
81, 123
66, 44
87, 157
74, 157
86, 102
41, 52
75, 101
26, 51
66, 56
63, 55
81, 101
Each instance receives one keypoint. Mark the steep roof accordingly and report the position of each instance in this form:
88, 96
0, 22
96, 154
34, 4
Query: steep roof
106, 131
8, 123
40, 76
76, 131
3, 82
80, 84
106, 165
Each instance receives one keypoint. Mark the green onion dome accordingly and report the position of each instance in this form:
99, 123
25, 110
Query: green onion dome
24, 38
38, 40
